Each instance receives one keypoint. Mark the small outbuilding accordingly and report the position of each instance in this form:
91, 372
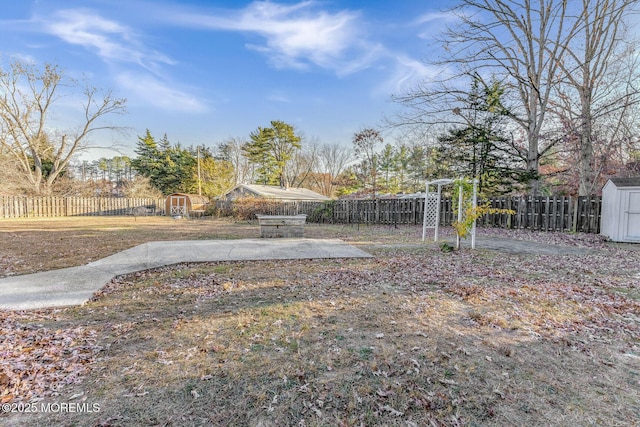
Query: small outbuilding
185, 205
290, 194
620, 219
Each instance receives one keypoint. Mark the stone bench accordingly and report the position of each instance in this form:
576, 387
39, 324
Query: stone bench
281, 225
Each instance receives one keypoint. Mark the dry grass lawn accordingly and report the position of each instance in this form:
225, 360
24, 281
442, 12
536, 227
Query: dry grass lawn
412, 337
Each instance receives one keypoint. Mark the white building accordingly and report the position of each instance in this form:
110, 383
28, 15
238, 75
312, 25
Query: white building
620, 218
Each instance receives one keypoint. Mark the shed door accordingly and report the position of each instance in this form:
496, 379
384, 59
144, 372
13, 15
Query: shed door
178, 205
631, 225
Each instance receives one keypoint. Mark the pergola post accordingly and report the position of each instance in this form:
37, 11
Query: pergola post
424, 216
460, 199
435, 233
474, 206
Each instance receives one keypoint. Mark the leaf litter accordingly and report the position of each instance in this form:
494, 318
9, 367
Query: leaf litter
412, 337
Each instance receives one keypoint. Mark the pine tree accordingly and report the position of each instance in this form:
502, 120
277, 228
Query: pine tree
271, 149
476, 148
169, 168
149, 159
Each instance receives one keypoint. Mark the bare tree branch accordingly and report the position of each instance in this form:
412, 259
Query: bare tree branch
27, 99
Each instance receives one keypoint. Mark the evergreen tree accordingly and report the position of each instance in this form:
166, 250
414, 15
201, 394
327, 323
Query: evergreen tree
148, 161
259, 152
389, 166
476, 148
169, 168
402, 165
417, 168
271, 149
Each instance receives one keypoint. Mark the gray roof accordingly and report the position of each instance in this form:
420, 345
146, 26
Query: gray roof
626, 182
275, 192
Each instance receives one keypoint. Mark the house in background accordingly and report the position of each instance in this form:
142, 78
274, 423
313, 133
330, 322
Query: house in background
291, 194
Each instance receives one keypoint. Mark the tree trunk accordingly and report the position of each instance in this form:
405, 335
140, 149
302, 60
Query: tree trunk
533, 156
586, 170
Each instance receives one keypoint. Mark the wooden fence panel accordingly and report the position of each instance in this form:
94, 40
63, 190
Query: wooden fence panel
545, 213
554, 213
51, 206
588, 218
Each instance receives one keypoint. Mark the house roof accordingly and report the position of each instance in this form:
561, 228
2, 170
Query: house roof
626, 182
275, 192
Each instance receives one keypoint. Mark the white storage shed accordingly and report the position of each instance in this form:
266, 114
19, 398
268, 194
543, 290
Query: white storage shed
620, 219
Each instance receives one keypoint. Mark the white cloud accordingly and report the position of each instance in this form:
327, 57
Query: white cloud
158, 94
434, 23
110, 40
119, 45
406, 73
369, 56
278, 96
28, 59
436, 17
295, 35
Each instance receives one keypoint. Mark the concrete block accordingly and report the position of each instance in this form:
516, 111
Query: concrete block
281, 226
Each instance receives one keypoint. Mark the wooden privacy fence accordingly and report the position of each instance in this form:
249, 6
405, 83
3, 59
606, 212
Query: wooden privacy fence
547, 213
34, 207
533, 213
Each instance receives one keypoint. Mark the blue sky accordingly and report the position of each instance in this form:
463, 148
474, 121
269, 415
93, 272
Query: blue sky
204, 71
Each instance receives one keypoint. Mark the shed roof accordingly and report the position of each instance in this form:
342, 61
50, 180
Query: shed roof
194, 198
275, 192
626, 182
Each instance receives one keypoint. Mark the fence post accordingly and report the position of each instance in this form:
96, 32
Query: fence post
597, 212
545, 213
347, 211
575, 215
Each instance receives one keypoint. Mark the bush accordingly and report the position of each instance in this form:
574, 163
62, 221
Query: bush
212, 209
245, 209
323, 213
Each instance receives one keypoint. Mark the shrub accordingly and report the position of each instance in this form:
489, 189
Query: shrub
246, 208
322, 213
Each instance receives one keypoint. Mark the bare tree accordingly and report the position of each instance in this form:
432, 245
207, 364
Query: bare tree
538, 34
27, 99
365, 145
231, 151
569, 75
12, 178
599, 86
517, 42
333, 159
302, 165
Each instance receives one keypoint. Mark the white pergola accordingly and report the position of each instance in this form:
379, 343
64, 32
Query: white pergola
432, 210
